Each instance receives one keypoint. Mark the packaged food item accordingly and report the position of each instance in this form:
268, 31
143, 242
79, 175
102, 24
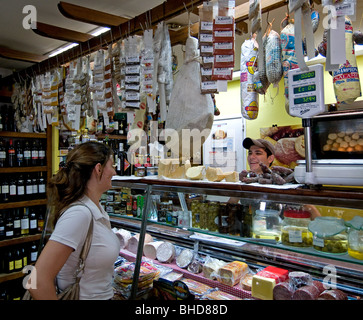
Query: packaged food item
231, 273
249, 96
262, 287
172, 276
195, 266
151, 248
298, 279
124, 237
346, 78
184, 258
246, 282
294, 231
306, 293
211, 267
279, 274
274, 70
329, 235
133, 242
333, 294
165, 253
196, 287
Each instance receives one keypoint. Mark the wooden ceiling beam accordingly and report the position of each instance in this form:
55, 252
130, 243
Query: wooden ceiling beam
20, 55
180, 36
50, 31
91, 16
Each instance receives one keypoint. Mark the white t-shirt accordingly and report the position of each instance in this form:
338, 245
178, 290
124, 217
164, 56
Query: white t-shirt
71, 230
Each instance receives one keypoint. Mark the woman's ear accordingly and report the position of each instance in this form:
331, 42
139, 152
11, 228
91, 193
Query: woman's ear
98, 168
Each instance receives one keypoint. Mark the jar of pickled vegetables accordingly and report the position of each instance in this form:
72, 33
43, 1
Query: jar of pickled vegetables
329, 235
203, 214
213, 212
294, 231
266, 224
195, 208
355, 237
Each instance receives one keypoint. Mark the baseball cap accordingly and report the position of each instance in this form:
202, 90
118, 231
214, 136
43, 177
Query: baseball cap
262, 143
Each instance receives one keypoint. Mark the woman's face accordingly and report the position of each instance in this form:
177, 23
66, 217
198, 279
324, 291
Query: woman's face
257, 155
107, 174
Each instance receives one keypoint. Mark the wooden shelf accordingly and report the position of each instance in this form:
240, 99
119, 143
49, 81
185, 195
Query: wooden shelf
11, 134
23, 169
11, 276
26, 203
19, 240
111, 136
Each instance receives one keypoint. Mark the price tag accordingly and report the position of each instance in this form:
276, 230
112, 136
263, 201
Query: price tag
306, 92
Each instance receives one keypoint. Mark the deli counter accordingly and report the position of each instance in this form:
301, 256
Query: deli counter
268, 227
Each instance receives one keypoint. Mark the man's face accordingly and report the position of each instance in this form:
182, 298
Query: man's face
257, 155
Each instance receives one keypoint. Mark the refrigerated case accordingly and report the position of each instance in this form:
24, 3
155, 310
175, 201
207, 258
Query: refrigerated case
237, 242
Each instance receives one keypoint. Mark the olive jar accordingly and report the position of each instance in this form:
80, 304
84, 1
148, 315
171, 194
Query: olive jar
329, 235
355, 237
294, 231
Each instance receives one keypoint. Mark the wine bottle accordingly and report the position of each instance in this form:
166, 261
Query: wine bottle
2, 226
33, 221
42, 154
34, 153
11, 154
25, 222
17, 222
18, 259
5, 192
27, 154
28, 187
19, 154
9, 226
12, 188
2, 154
20, 187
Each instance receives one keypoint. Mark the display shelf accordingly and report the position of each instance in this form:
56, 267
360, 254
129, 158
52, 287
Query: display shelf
24, 169
255, 252
24, 203
26, 135
20, 240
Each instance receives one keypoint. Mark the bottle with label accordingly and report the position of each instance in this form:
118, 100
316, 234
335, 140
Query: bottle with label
85, 136
19, 154
2, 226
1, 122
27, 154
33, 221
12, 188
77, 139
33, 252
24, 256
34, 153
18, 259
20, 187
40, 221
42, 154
9, 261
120, 160
2, 154
17, 223
25, 222
9, 226
28, 187
11, 154
41, 185
5, 190
35, 186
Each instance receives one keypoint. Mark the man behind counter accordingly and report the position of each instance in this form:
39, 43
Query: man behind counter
262, 151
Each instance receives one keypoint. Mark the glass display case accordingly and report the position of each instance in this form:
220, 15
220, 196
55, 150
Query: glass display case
218, 220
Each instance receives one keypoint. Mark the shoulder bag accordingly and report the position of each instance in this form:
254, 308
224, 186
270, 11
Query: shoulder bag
72, 291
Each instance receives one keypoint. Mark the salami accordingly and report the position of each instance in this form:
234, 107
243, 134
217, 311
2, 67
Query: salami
333, 294
306, 293
283, 291
249, 96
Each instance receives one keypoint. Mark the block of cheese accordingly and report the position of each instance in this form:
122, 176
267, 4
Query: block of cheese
124, 237
165, 253
195, 173
232, 272
279, 274
214, 174
262, 288
177, 172
134, 242
150, 249
211, 267
232, 176
167, 166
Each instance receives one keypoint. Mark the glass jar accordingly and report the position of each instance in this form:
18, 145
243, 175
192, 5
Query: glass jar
294, 231
355, 237
195, 214
329, 235
266, 224
203, 211
213, 212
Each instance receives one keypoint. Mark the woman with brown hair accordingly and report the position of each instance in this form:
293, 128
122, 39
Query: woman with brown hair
74, 194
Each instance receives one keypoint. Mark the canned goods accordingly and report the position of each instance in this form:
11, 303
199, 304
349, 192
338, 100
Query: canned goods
140, 171
152, 171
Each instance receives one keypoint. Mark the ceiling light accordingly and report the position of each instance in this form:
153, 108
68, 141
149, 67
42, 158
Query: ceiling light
62, 49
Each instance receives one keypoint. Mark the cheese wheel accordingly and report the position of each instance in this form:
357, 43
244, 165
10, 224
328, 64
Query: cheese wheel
165, 253
184, 258
124, 237
134, 242
214, 174
150, 249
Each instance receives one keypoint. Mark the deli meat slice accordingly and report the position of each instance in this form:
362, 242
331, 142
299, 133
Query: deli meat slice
283, 291
134, 242
306, 293
318, 285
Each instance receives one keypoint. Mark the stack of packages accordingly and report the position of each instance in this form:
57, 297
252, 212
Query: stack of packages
216, 44
124, 274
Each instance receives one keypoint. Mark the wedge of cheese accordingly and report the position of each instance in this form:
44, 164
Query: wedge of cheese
195, 173
232, 176
214, 174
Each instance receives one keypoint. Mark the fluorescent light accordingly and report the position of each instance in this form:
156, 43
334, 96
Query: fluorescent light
99, 31
95, 33
62, 49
